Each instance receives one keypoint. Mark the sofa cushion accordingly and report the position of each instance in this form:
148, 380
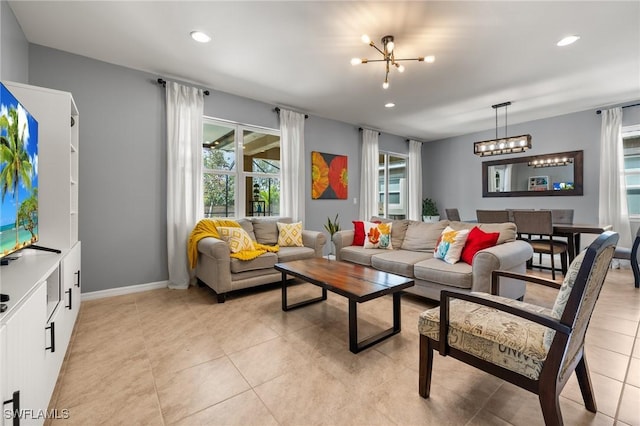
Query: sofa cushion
476, 241
290, 234
264, 261
507, 230
378, 235
247, 225
421, 236
398, 262
266, 230
501, 338
237, 238
287, 254
398, 229
450, 245
359, 255
435, 270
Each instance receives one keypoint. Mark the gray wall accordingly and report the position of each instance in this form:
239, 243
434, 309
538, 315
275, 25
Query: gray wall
122, 162
14, 47
452, 174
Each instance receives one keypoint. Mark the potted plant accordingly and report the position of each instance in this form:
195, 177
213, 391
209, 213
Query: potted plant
332, 227
430, 211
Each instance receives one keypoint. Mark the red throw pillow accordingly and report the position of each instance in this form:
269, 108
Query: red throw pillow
358, 232
478, 240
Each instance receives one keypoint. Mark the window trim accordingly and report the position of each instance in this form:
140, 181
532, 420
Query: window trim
385, 192
631, 131
238, 172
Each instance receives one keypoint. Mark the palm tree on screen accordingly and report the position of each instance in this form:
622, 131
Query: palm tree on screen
16, 165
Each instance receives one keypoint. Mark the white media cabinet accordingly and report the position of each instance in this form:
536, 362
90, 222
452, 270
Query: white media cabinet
36, 329
44, 287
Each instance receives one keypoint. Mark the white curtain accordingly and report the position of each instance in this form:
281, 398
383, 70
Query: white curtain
369, 175
415, 180
613, 194
292, 193
184, 175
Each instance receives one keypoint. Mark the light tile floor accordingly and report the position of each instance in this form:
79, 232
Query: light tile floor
176, 357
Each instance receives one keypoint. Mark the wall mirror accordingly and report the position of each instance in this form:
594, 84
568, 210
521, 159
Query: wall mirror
556, 174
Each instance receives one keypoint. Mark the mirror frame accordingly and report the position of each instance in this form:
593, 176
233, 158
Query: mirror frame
578, 161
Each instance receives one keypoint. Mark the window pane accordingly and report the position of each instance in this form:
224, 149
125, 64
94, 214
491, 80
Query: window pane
219, 195
261, 152
263, 196
218, 147
397, 188
633, 201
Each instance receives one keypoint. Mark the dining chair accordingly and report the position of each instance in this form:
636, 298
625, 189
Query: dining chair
537, 225
632, 256
527, 345
452, 214
562, 216
492, 216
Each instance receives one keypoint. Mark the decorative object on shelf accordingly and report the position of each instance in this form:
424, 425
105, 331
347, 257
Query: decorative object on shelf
329, 176
505, 145
388, 57
551, 162
430, 211
256, 192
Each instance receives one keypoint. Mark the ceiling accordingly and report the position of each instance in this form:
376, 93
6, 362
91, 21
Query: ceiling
297, 54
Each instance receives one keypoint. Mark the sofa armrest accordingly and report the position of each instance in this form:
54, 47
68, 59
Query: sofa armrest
342, 239
511, 256
315, 240
214, 248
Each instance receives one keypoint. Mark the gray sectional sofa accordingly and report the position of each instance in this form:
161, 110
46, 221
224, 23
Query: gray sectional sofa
223, 274
414, 243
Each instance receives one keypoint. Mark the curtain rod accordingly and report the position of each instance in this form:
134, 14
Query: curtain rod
361, 129
277, 109
626, 106
164, 84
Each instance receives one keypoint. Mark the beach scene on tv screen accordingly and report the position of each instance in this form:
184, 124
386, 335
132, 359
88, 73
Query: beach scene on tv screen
18, 175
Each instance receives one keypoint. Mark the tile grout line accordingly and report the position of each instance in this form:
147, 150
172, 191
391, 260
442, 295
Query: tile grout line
626, 374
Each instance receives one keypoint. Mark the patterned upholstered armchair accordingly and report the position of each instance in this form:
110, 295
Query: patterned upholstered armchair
530, 346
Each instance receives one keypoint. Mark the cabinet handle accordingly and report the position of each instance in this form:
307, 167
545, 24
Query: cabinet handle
77, 284
15, 414
52, 330
70, 291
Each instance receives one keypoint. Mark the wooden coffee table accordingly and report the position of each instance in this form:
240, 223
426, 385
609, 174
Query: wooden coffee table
355, 282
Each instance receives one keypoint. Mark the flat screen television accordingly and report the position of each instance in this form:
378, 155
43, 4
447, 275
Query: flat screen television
18, 175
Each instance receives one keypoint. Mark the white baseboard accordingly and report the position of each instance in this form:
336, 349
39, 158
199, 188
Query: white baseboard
124, 290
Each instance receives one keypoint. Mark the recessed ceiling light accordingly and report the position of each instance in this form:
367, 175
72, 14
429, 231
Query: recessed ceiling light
389, 105
200, 37
568, 40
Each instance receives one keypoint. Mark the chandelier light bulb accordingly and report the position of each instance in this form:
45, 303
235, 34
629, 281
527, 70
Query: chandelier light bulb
430, 59
365, 39
390, 46
385, 85
400, 67
356, 61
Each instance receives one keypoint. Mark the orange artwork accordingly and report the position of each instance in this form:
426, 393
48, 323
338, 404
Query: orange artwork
329, 176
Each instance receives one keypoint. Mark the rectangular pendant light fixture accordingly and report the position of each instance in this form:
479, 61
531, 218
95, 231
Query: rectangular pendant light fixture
505, 145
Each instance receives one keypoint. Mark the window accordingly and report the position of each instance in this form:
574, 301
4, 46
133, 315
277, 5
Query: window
631, 145
392, 186
251, 188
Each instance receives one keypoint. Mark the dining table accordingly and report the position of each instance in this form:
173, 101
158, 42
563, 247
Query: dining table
572, 232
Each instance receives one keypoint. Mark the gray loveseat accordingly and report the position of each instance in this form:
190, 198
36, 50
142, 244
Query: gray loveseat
414, 243
223, 274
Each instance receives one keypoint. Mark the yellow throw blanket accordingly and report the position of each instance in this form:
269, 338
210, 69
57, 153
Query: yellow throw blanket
207, 228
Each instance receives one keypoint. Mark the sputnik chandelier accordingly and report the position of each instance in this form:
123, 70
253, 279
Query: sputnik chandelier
388, 57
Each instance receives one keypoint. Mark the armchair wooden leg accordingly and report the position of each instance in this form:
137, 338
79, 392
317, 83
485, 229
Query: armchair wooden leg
425, 366
582, 374
550, 404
